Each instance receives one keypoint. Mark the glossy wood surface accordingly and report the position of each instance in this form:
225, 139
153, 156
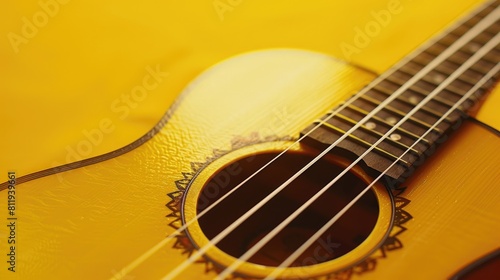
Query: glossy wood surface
97, 220
79, 67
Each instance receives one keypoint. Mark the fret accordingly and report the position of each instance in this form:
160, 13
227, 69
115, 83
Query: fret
432, 108
462, 78
353, 147
436, 49
470, 78
423, 58
412, 94
362, 142
438, 110
484, 12
399, 78
423, 88
472, 21
460, 30
429, 116
387, 125
377, 134
488, 9
494, 29
437, 98
399, 113
472, 75
456, 86
428, 87
376, 128
459, 87
469, 75
483, 38
475, 68
480, 15
459, 57
448, 96
444, 69
426, 114
436, 76
470, 48
448, 39
482, 65
392, 119
488, 84
493, 56
449, 67
445, 93
433, 78
411, 67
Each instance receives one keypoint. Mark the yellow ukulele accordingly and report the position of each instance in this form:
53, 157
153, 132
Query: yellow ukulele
287, 164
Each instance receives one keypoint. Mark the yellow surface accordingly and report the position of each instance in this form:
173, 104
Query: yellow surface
95, 221
102, 221
120, 203
67, 73
260, 271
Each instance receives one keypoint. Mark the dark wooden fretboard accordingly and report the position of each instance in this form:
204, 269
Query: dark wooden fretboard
407, 84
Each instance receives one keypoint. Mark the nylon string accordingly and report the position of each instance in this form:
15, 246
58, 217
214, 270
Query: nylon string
486, 22
380, 78
311, 240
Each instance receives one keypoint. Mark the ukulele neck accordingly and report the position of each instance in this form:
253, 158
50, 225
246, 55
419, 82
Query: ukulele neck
396, 121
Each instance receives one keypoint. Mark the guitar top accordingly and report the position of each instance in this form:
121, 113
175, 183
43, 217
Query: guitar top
286, 164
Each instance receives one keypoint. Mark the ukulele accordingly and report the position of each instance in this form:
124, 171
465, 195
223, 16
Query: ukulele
288, 164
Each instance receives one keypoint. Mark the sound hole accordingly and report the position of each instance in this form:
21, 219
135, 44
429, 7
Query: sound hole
346, 234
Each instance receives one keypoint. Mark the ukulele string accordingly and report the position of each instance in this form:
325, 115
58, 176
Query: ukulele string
486, 22
286, 263
473, 59
142, 258
313, 238
135, 263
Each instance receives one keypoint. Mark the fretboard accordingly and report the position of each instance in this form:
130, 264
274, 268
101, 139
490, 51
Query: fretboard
428, 93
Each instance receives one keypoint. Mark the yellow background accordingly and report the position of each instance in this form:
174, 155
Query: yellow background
64, 80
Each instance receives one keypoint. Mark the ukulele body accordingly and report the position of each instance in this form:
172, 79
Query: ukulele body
99, 219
